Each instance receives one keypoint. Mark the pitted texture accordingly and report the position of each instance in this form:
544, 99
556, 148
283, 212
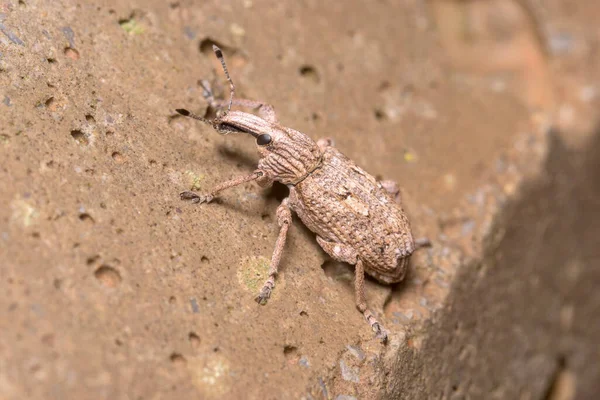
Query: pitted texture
343, 204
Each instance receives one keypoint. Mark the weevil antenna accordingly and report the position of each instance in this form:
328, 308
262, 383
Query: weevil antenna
219, 55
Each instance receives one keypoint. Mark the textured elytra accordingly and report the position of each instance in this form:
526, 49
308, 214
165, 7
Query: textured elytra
355, 218
345, 205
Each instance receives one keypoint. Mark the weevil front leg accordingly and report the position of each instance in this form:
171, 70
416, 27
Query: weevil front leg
265, 111
284, 219
325, 142
347, 254
393, 189
208, 197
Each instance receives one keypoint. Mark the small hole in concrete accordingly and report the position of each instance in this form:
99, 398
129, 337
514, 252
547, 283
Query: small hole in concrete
92, 260
194, 340
51, 60
290, 351
206, 46
108, 276
49, 102
309, 72
177, 359
90, 118
80, 137
265, 217
118, 157
85, 217
71, 53
380, 115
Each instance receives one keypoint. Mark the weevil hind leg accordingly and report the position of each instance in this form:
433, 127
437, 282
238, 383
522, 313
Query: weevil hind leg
284, 219
361, 302
344, 253
393, 189
325, 142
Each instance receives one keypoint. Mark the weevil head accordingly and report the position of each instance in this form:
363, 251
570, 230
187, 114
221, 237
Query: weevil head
287, 155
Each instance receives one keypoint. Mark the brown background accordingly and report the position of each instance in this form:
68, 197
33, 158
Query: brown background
111, 287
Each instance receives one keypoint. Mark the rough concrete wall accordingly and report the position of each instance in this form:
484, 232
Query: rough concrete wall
111, 287
523, 321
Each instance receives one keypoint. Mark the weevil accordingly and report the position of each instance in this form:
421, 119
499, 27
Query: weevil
357, 219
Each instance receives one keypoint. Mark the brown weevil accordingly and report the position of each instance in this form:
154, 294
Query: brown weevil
357, 219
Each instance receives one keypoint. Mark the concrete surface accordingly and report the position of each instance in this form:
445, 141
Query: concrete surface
111, 287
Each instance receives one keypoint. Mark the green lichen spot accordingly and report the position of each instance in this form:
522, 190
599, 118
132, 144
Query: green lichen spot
24, 213
252, 273
194, 180
132, 27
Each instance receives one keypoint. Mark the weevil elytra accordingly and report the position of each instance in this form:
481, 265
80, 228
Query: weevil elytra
357, 219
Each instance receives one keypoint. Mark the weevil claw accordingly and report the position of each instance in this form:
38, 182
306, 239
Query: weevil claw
263, 297
265, 291
195, 198
380, 332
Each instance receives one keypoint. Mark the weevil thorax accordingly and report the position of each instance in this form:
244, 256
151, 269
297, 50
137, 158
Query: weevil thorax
287, 155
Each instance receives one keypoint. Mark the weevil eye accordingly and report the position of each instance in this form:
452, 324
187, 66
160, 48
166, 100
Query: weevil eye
264, 139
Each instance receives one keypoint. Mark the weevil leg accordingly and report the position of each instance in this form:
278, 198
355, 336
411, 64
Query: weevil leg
284, 219
422, 242
361, 302
266, 111
392, 188
208, 93
207, 198
347, 254
325, 142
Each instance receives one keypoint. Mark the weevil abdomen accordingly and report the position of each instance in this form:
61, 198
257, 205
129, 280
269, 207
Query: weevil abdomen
343, 204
